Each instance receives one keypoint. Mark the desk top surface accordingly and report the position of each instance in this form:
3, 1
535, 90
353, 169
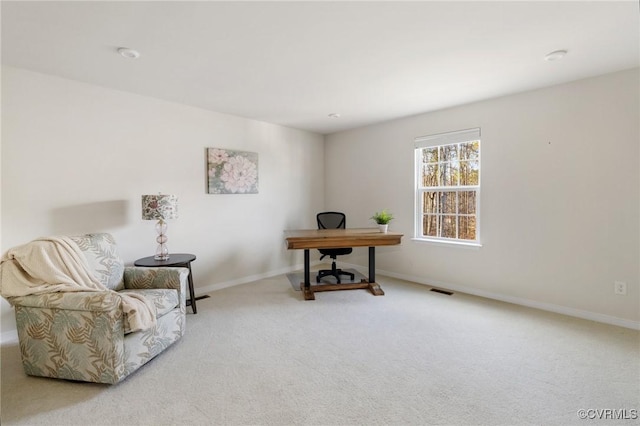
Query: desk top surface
338, 238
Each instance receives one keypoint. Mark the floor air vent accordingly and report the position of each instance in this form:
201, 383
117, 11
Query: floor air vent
437, 290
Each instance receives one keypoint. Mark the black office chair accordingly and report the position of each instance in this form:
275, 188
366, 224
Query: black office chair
332, 220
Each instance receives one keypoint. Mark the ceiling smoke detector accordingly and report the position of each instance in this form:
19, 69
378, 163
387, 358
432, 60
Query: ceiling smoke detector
555, 55
129, 53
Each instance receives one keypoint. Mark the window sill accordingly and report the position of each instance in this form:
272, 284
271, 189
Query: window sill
472, 245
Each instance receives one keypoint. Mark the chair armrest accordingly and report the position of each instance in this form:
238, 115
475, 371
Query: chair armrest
72, 335
91, 301
136, 277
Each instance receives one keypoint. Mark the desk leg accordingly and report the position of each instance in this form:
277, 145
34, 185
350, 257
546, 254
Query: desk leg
306, 286
372, 264
373, 285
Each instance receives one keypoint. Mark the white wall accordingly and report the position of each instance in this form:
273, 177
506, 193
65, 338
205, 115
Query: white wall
564, 161
76, 158
559, 201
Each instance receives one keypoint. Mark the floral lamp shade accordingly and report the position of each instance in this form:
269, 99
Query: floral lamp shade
155, 207
160, 207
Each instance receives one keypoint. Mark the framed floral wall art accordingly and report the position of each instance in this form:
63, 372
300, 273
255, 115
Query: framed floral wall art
232, 172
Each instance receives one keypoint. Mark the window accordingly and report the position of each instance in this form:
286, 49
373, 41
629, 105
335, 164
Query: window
448, 187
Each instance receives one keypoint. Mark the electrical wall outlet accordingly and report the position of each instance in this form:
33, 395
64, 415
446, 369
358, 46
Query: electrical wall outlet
620, 287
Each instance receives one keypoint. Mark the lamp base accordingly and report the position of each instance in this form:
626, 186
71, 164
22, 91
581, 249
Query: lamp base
162, 251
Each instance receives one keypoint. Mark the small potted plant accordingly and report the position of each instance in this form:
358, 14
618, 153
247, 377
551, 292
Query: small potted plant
382, 219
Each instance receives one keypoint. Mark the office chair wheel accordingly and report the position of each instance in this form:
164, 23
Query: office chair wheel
334, 272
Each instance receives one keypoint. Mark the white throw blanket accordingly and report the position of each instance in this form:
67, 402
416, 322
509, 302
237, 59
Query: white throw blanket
54, 264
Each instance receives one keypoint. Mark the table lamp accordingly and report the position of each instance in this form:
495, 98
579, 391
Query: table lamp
160, 207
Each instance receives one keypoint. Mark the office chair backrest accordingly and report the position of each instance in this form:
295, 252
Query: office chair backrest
331, 220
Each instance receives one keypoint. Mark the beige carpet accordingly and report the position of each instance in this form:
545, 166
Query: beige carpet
259, 354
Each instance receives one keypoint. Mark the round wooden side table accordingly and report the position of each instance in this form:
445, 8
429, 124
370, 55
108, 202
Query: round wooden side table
178, 260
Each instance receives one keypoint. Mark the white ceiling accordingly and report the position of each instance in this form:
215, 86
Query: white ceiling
293, 63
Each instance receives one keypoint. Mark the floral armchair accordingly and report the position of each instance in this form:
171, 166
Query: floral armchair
84, 336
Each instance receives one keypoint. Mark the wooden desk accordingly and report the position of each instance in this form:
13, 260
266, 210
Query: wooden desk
338, 238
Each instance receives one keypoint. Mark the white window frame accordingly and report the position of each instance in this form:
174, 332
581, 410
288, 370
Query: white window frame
432, 141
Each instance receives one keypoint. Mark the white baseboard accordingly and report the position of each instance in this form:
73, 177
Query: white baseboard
550, 307
11, 336
251, 278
